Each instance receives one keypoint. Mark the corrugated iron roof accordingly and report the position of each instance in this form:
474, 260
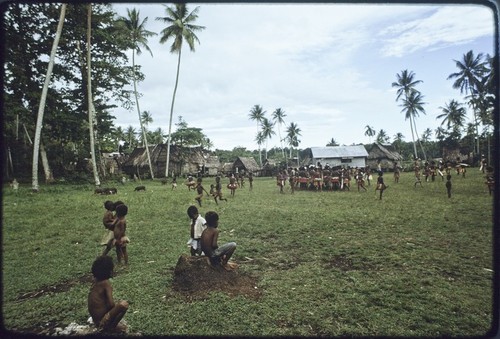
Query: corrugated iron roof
339, 151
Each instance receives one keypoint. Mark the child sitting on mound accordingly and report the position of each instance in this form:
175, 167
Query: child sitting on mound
105, 314
216, 255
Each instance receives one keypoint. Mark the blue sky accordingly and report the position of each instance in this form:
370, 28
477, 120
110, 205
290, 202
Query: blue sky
328, 66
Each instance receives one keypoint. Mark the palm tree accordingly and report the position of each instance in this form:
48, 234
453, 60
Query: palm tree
259, 138
369, 132
412, 105
43, 98
472, 69
453, 115
139, 36
180, 28
267, 130
130, 136
157, 136
91, 107
146, 119
411, 99
332, 142
292, 134
382, 137
398, 140
257, 113
278, 116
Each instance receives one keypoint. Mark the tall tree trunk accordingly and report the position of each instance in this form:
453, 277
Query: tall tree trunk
418, 139
45, 164
139, 113
172, 113
91, 107
413, 138
41, 108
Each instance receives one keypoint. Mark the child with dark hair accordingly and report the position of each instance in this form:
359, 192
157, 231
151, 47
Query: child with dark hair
448, 185
110, 238
109, 223
216, 255
250, 179
120, 239
199, 191
105, 313
197, 228
218, 190
381, 186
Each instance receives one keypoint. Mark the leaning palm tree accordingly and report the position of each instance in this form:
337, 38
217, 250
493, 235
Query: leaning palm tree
453, 115
181, 29
406, 88
412, 105
472, 70
278, 116
139, 36
267, 130
43, 98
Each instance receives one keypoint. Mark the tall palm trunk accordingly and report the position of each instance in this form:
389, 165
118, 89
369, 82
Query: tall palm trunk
172, 113
475, 119
413, 138
139, 113
418, 139
41, 108
91, 107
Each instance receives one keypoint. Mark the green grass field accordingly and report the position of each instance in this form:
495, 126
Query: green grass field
327, 263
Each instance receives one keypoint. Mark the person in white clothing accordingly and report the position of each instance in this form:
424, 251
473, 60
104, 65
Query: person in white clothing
198, 225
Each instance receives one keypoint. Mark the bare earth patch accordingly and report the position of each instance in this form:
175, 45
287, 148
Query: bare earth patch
194, 278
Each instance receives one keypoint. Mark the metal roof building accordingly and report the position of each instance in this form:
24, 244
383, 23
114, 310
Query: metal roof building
352, 156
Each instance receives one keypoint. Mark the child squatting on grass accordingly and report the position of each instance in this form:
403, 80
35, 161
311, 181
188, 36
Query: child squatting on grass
216, 255
197, 228
105, 313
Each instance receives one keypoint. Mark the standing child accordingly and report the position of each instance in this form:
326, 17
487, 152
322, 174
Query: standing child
105, 313
380, 184
216, 255
120, 239
197, 228
218, 189
109, 221
174, 182
232, 184
448, 185
199, 191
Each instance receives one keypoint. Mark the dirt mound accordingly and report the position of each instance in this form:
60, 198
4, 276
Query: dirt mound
194, 278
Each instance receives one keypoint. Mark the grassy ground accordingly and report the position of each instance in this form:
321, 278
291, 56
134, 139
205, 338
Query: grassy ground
328, 263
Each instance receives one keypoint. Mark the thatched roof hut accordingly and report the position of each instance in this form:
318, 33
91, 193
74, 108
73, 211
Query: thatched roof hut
183, 160
245, 164
386, 154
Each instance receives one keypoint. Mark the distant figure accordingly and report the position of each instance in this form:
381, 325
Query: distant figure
218, 190
199, 190
380, 184
232, 184
109, 223
105, 313
197, 227
448, 185
216, 255
396, 172
15, 185
174, 182
417, 177
250, 180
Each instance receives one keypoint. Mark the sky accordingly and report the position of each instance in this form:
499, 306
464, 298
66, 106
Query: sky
328, 66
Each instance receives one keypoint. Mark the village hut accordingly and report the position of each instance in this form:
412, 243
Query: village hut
385, 154
269, 168
246, 165
335, 156
183, 160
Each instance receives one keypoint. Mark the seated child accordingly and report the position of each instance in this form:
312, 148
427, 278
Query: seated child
216, 255
105, 314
